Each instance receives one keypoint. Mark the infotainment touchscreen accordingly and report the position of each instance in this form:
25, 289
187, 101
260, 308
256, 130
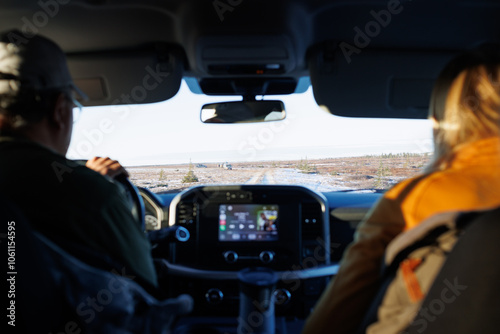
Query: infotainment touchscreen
248, 222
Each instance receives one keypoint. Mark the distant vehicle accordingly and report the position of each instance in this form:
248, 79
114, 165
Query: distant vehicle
225, 165
201, 166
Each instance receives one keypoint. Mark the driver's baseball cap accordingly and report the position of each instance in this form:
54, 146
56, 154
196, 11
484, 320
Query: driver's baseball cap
33, 62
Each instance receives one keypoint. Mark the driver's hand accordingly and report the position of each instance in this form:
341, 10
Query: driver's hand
106, 166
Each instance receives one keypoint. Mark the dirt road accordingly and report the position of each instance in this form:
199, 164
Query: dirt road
263, 177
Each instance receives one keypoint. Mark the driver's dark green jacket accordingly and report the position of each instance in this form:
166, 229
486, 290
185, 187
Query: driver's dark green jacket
72, 204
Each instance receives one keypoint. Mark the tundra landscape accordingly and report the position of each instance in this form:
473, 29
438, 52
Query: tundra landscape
355, 173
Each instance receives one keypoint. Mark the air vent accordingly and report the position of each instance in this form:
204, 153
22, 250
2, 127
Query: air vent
186, 213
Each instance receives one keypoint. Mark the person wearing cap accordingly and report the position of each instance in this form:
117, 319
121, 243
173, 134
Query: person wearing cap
67, 202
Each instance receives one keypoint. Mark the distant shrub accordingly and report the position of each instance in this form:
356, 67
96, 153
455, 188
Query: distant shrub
381, 176
190, 177
305, 167
397, 155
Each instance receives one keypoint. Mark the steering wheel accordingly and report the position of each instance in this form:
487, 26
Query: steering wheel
133, 196
137, 204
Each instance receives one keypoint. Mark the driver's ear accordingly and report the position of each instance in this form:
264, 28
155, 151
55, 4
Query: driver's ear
59, 116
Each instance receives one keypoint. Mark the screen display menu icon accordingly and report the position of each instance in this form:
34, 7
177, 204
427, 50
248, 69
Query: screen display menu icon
248, 222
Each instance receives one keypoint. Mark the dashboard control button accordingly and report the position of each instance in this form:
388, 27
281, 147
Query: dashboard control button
214, 296
182, 234
266, 256
281, 296
230, 256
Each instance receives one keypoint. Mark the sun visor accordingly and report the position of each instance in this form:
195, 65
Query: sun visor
375, 83
127, 77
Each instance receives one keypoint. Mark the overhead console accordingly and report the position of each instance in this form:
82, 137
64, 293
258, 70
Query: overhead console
229, 52
246, 65
245, 55
283, 228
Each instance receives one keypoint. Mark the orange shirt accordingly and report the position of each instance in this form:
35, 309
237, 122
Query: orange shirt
472, 182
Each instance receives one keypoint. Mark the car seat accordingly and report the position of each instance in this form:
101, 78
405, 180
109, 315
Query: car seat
56, 292
464, 297
471, 274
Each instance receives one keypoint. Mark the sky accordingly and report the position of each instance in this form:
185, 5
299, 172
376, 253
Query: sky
171, 132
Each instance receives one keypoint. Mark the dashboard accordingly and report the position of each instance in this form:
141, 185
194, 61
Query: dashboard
294, 231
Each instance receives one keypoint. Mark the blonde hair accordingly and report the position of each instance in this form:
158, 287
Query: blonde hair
465, 104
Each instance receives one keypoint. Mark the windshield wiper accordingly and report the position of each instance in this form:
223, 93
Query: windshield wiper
377, 191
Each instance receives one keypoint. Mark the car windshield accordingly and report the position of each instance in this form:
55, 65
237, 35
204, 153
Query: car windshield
166, 147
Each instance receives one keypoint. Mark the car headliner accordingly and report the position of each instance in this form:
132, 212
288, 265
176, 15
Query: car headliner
234, 46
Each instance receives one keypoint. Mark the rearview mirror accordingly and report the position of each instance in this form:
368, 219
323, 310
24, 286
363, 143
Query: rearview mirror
243, 112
